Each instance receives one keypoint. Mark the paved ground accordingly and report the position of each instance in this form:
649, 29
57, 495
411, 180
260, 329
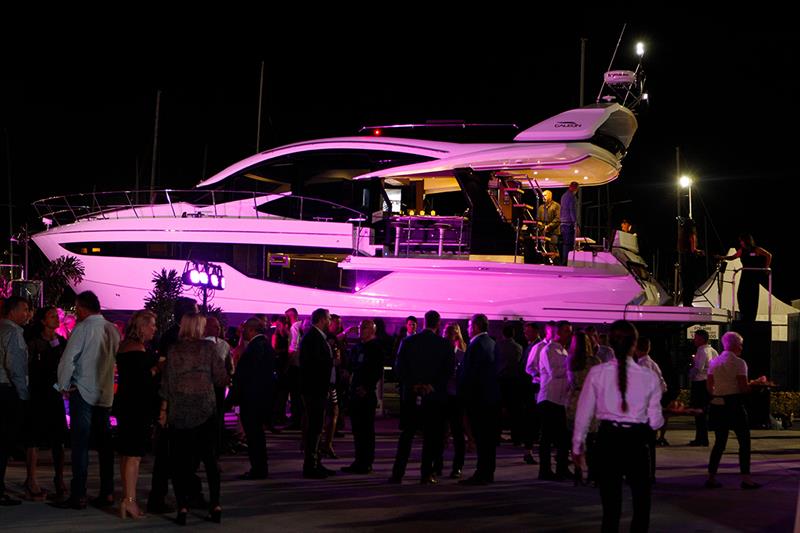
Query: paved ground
516, 502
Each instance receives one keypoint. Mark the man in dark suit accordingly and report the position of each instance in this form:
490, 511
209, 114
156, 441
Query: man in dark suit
423, 370
316, 377
367, 361
481, 398
253, 387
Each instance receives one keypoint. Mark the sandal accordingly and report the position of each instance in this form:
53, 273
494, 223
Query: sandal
36, 496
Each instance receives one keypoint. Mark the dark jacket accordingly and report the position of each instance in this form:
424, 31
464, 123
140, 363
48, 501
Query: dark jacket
507, 358
424, 358
479, 385
253, 382
316, 362
367, 361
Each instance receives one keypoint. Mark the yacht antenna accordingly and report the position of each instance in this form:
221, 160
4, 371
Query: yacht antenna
611, 63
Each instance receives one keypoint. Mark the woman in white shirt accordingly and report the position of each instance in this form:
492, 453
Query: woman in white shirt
626, 399
727, 383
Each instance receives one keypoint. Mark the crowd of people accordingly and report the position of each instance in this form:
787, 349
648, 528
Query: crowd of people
591, 401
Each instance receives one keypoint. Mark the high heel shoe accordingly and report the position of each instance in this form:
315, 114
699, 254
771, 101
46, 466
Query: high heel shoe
34, 496
215, 515
128, 506
181, 518
327, 451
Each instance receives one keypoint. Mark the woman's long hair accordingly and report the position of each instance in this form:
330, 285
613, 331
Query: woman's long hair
622, 338
452, 332
579, 351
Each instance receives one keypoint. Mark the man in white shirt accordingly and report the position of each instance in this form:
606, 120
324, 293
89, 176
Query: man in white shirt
727, 381
86, 372
552, 402
699, 393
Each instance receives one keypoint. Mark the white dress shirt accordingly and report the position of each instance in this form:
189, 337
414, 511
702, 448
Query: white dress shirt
600, 398
647, 362
725, 368
553, 374
702, 358
532, 364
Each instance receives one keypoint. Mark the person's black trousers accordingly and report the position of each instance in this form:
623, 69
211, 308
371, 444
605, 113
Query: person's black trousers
10, 426
254, 417
554, 432
623, 452
297, 400
314, 407
531, 420
428, 417
699, 399
483, 420
362, 420
724, 418
187, 446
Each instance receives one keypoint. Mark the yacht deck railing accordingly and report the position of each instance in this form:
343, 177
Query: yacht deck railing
67, 209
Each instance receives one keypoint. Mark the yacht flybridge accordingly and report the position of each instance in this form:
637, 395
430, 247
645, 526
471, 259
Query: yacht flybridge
378, 225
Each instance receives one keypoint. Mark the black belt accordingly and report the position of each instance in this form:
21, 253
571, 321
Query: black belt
622, 425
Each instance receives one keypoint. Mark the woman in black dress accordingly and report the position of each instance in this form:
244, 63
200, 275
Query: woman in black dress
752, 256
46, 422
136, 404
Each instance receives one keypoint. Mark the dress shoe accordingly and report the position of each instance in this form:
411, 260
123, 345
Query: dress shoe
72, 503
475, 480
102, 501
546, 475
357, 469
251, 475
564, 474
455, 474
315, 473
698, 443
159, 507
429, 480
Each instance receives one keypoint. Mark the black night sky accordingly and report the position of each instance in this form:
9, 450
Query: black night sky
77, 103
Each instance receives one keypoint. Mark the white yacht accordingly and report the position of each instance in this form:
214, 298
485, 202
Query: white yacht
379, 225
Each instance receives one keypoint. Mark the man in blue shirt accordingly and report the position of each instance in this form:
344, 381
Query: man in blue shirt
13, 382
569, 219
86, 372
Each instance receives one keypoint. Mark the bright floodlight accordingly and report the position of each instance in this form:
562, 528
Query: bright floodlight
222, 283
194, 276
685, 182
203, 278
214, 280
640, 49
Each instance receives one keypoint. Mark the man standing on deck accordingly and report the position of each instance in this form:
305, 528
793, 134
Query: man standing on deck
569, 220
